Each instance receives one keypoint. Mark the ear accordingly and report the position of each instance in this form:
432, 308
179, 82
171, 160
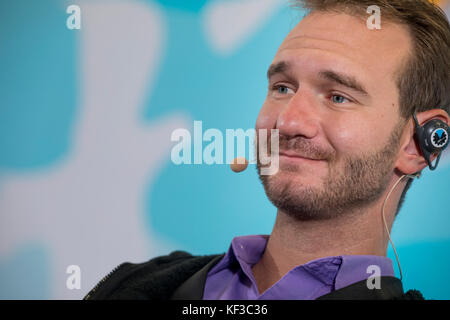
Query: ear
410, 158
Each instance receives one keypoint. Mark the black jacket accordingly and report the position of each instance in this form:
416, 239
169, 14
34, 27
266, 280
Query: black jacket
182, 276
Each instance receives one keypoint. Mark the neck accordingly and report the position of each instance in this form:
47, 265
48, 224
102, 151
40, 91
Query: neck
293, 243
300, 242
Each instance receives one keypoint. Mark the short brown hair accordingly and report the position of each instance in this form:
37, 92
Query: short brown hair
424, 80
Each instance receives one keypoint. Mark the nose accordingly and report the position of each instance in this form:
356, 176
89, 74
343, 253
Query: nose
300, 116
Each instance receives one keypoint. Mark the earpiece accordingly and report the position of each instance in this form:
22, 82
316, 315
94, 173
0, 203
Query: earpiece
433, 137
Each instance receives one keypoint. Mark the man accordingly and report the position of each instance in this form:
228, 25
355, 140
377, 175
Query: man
343, 97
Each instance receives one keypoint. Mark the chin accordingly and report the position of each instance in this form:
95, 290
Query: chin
299, 177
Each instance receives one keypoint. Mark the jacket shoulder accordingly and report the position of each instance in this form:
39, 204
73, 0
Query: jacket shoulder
412, 294
156, 278
391, 288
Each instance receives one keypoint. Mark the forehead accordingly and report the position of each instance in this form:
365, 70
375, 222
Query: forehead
345, 41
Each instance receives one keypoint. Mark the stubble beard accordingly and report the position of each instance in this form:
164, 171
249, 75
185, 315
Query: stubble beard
354, 185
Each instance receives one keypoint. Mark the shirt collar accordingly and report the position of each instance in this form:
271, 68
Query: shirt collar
355, 268
341, 271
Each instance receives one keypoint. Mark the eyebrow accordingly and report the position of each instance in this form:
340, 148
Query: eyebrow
330, 75
343, 80
276, 68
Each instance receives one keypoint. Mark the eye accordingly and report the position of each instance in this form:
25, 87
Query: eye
338, 99
282, 89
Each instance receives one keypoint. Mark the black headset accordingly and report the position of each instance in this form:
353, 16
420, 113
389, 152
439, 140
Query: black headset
433, 137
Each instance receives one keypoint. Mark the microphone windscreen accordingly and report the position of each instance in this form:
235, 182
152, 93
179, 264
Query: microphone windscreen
239, 164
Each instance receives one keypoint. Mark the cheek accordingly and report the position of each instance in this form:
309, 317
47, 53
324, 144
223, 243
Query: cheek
349, 137
267, 117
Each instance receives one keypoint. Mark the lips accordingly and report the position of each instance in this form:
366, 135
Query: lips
292, 154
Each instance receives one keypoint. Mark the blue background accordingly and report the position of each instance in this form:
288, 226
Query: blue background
194, 208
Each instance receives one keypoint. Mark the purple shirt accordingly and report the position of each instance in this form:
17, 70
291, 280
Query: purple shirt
232, 279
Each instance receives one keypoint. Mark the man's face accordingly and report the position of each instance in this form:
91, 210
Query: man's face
334, 98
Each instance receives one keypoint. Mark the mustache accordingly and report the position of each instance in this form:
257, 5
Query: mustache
304, 147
